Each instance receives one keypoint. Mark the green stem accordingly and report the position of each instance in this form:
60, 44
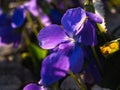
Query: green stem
39, 20
118, 39
31, 23
80, 84
28, 43
97, 59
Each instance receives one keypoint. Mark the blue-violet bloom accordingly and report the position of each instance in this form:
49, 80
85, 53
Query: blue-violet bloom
20, 12
7, 34
67, 54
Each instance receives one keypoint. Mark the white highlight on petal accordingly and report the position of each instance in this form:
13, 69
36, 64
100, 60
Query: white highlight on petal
13, 25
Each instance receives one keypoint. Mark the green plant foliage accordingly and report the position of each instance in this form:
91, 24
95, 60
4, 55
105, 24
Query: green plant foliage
37, 52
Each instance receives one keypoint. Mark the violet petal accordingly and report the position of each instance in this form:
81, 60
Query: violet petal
18, 17
32, 86
54, 67
4, 20
49, 37
94, 17
76, 59
7, 35
32, 7
73, 19
88, 34
93, 69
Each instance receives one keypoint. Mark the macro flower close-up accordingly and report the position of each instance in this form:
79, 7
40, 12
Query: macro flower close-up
59, 45
66, 44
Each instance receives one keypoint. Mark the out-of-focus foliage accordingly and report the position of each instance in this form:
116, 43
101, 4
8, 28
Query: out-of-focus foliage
37, 52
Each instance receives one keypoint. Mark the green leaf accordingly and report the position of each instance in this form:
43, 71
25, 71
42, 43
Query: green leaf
37, 52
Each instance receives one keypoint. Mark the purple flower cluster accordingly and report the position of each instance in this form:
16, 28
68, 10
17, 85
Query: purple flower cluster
8, 25
7, 33
65, 41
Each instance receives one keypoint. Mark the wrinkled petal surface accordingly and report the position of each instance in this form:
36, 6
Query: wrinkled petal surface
54, 67
94, 17
18, 17
32, 7
88, 34
49, 37
76, 59
73, 19
32, 86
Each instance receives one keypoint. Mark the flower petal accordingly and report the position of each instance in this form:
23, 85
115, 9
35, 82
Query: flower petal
7, 36
32, 86
18, 17
4, 20
45, 20
73, 19
76, 59
92, 66
94, 17
88, 34
93, 69
32, 7
54, 67
49, 37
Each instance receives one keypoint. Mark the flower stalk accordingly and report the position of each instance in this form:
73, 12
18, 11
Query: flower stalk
97, 60
79, 83
31, 23
28, 42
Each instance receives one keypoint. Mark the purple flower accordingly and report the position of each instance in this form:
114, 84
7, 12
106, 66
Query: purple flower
45, 20
73, 24
67, 54
18, 17
7, 33
19, 13
91, 69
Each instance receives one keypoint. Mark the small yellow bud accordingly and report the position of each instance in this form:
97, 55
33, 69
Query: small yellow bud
109, 48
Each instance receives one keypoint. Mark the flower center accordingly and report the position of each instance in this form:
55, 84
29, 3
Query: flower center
72, 40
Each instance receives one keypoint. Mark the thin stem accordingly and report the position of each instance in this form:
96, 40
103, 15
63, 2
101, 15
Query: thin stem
39, 20
97, 60
31, 23
80, 84
28, 42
